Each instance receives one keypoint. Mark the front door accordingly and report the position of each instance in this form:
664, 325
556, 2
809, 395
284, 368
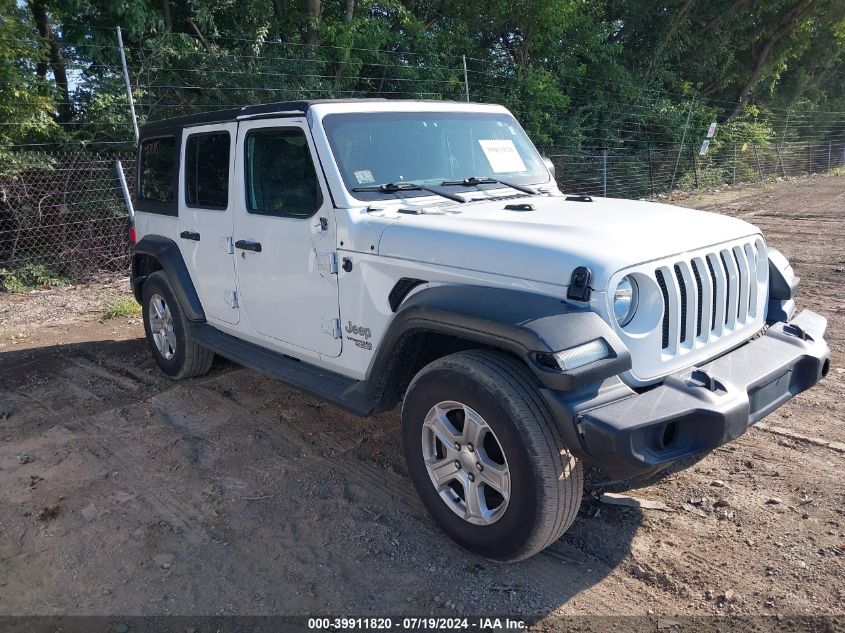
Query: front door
285, 238
206, 211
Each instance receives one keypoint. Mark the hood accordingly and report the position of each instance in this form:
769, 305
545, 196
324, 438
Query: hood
548, 243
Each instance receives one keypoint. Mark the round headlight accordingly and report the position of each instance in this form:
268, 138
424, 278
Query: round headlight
625, 301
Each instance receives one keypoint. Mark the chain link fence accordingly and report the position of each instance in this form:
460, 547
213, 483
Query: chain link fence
649, 173
62, 214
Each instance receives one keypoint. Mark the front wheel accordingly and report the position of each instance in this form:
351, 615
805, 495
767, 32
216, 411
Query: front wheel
486, 457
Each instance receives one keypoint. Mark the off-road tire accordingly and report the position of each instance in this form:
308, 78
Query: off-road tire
190, 359
547, 481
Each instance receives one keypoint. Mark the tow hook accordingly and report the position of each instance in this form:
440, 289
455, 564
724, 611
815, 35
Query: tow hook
706, 380
797, 331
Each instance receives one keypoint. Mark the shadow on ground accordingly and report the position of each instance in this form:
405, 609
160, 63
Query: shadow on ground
233, 494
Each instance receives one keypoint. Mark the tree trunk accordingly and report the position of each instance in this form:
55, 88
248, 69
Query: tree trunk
347, 18
40, 17
165, 9
281, 9
667, 38
41, 69
312, 33
721, 17
197, 32
787, 25
57, 62
382, 79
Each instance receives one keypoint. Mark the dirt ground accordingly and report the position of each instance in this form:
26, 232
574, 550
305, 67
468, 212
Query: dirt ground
122, 492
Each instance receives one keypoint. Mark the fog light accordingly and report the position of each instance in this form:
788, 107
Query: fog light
585, 354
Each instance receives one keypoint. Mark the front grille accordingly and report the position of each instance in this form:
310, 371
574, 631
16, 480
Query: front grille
683, 288
727, 283
718, 288
662, 283
713, 282
699, 324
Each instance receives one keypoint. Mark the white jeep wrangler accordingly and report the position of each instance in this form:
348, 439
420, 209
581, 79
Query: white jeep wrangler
374, 252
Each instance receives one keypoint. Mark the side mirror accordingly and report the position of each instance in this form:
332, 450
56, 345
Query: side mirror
550, 166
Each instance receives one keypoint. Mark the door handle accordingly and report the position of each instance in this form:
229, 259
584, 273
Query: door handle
248, 245
190, 235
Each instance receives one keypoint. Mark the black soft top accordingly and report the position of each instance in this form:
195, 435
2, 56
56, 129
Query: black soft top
232, 114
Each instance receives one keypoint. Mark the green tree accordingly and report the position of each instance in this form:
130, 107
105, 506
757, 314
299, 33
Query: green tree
26, 100
621, 73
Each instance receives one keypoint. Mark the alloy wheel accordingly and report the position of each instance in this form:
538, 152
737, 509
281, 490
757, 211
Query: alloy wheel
161, 327
466, 463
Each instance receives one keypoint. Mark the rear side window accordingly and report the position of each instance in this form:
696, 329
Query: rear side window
280, 175
207, 170
158, 165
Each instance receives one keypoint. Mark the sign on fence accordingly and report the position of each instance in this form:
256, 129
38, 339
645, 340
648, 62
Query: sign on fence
704, 147
712, 131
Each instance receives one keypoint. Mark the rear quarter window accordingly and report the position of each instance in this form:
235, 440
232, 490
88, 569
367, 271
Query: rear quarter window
158, 161
158, 171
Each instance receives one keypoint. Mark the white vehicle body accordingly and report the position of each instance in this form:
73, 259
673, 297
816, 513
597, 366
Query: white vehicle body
479, 243
377, 252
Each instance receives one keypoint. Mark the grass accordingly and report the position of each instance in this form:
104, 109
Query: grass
30, 277
122, 308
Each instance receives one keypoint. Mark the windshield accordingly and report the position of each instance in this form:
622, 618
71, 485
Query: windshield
429, 148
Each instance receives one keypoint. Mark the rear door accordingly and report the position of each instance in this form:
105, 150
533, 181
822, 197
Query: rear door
206, 211
285, 249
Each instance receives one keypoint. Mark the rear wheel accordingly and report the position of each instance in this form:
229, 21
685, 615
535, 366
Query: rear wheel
486, 456
168, 331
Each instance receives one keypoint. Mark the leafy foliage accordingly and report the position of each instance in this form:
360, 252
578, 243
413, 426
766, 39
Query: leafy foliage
622, 73
26, 104
32, 276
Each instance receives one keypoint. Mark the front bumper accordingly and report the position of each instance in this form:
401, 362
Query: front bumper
626, 433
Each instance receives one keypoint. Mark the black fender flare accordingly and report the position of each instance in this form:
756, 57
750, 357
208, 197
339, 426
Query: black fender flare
519, 322
166, 252
783, 284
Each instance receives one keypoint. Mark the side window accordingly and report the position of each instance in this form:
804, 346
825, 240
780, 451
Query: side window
207, 170
158, 164
280, 176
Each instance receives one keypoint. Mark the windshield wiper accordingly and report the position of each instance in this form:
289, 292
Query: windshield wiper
484, 180
394, 187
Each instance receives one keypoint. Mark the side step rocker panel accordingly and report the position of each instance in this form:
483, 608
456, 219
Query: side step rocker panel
328, 386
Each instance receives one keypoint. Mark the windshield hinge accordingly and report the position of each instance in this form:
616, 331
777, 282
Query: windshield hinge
230, 245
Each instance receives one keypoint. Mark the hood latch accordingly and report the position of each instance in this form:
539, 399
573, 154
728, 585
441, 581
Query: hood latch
579, 284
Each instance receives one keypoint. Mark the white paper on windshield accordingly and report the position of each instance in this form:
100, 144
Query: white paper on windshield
364, 176
502, 156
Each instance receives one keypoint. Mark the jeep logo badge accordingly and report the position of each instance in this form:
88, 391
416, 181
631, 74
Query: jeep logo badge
357, 329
